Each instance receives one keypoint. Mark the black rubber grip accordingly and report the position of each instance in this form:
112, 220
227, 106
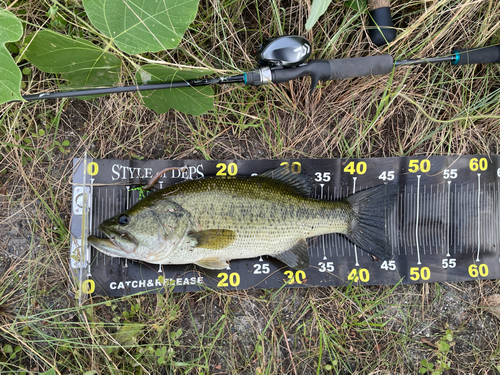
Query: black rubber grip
326, 70
382, 29
361, 66
316, 69
482, 55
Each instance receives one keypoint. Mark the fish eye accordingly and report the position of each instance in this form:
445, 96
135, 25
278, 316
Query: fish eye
123, 219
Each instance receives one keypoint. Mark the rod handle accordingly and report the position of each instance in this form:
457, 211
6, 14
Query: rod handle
327, 70
481, 55
382, 29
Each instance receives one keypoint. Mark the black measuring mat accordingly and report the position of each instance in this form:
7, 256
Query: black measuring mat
444, 225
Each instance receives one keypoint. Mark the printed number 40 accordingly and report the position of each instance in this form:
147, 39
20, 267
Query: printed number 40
357, 275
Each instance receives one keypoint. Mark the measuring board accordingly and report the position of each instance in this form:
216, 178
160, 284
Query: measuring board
444, 226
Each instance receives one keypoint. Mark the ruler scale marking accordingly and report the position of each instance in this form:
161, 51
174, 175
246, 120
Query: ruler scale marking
416, 219
448, 224
478, 215
355, 249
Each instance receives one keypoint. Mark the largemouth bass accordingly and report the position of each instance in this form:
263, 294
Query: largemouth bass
212, 220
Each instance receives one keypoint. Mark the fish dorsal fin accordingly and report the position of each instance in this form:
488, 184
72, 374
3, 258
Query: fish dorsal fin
212, 263
299, 182
214, 239
297, 257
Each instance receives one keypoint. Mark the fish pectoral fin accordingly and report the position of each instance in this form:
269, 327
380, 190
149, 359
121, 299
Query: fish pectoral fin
214, 239
212, 263
297, 257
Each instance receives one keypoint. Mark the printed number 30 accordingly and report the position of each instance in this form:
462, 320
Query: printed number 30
298, 277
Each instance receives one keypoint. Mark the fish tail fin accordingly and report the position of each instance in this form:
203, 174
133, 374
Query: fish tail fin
371, 208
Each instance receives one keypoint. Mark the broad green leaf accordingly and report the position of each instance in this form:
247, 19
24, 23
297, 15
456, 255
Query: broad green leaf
11, 30
128, 333
138, 26
357, 5
192, 100
80, 62
318, 7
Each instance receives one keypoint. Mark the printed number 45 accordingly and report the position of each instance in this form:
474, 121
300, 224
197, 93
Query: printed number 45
386, 175
388, 265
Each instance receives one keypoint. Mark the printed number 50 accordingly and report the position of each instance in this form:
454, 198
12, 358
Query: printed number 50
423, 273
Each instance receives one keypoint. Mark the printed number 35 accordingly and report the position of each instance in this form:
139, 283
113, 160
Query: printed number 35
322, 177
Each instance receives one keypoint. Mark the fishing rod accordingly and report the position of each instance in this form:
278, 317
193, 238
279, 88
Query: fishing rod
283, 59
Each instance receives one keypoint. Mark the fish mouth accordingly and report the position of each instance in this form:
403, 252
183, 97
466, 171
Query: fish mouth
106, 246
119, 242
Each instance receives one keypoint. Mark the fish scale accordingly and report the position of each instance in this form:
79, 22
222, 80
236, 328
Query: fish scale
267, 216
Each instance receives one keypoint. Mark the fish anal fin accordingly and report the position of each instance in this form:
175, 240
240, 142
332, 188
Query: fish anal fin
212, 263
297, 257
214, 239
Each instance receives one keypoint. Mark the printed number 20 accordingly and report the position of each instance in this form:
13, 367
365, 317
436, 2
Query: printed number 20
232, 169
234, 279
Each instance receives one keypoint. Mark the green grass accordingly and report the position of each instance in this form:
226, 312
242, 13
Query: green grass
426, 110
